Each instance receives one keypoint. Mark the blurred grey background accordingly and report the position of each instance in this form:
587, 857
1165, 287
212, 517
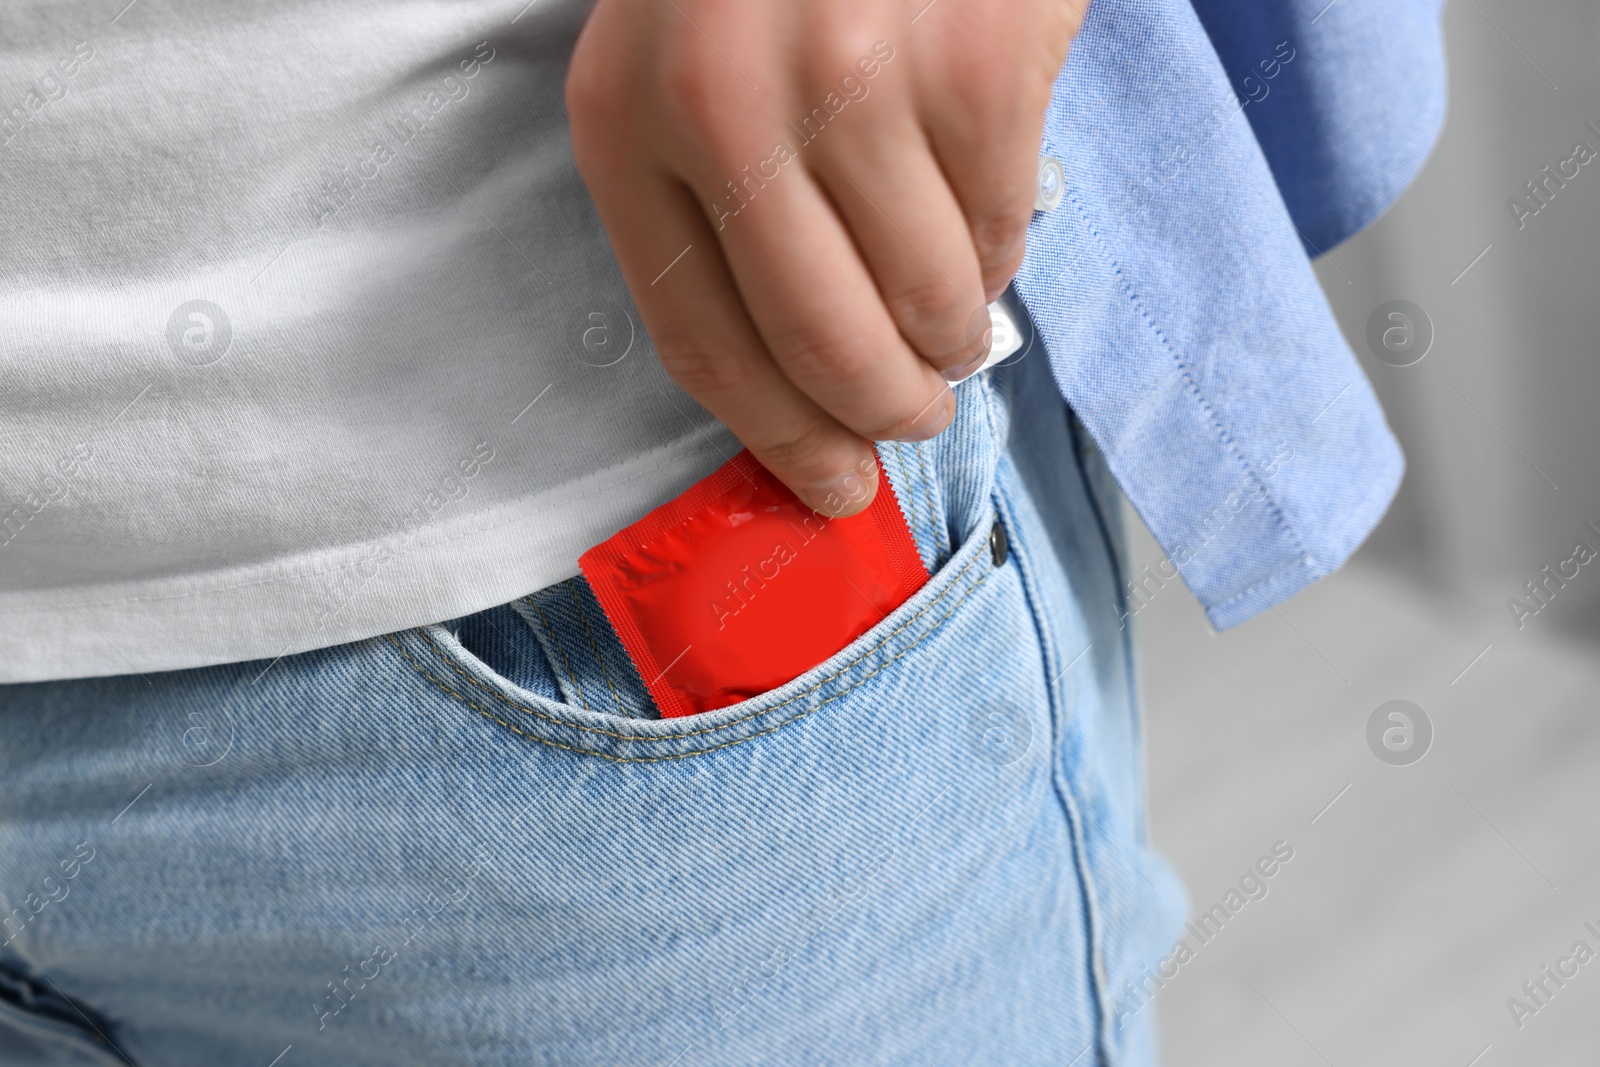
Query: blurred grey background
1422, 897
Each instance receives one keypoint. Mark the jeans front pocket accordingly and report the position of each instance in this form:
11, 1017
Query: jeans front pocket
867, 864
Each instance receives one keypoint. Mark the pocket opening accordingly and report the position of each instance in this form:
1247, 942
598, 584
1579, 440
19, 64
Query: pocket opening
446, 665
500, 638
591, 668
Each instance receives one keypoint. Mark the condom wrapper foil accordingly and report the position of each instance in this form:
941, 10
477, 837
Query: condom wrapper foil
737, 587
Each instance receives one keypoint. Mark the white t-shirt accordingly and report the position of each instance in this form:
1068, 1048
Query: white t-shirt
308, 329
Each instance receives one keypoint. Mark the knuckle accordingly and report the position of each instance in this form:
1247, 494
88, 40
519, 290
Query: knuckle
694, 90
926, 311
997, 235
797, 452
587, 86
920, 304
830, 57
702, 119
594, 111
701, 374
998, 275
892, 421
975, 69
585, 96
822, 355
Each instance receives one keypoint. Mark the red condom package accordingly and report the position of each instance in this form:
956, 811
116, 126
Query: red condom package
737, 587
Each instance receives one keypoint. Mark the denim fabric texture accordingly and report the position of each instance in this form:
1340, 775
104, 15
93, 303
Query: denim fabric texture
1173, 290
474, 843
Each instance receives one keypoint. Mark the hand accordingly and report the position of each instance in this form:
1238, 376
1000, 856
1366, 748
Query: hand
812, 202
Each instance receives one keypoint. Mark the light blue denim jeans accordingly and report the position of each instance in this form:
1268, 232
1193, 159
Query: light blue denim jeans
474, 843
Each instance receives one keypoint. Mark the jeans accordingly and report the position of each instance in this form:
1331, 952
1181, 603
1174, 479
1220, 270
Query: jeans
475, 843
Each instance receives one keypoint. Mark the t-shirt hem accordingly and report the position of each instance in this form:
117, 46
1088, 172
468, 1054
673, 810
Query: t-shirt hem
322, 598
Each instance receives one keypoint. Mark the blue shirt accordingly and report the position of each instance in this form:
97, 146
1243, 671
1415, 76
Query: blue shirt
1210, 148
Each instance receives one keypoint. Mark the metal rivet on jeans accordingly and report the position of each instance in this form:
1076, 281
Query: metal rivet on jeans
999, 544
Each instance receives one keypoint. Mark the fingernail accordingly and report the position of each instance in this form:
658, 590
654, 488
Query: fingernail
933, 418
965, 371
843, 494
980, 336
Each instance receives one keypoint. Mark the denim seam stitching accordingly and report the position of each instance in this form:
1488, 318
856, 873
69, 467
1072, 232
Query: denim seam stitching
1063, 790
934, 525
556, 640
991, 404
583, 617
478, 683
727, 744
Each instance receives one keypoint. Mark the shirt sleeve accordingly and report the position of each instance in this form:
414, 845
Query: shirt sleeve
1353, 115
1173, 290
